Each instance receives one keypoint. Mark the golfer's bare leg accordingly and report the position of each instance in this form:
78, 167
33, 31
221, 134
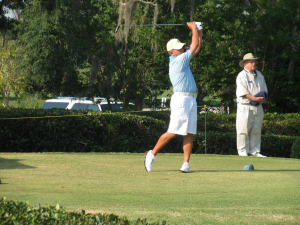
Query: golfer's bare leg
162, 141
187, 147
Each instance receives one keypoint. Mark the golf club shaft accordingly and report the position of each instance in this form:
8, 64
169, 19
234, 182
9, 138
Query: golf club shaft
147, 25
152, 25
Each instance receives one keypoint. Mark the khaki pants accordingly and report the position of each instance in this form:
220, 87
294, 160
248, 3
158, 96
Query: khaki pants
249, 121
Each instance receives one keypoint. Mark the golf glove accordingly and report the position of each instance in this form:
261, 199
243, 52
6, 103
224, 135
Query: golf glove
199, 26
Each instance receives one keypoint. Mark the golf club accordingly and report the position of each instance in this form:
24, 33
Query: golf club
147, 25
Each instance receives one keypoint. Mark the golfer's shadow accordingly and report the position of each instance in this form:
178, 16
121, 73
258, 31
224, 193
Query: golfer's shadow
10, 164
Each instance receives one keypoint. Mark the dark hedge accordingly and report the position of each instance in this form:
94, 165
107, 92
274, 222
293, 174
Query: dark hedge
27, 130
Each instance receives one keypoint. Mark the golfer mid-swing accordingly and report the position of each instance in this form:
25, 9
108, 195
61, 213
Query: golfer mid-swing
183, 119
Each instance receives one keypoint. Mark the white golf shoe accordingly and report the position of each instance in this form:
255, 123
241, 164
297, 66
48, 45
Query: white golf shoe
257, 154
149, 159
185, 167
243, 154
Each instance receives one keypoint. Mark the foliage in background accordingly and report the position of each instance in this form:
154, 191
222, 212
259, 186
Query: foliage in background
296, 149
276, 41
11, 79
57, 37
83, 131
71, 49
12, 212
30, 101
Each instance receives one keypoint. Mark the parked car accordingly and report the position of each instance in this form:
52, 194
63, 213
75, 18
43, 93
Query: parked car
73, 103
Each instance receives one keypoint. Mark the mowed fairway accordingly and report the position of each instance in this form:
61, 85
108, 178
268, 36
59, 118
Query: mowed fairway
217, 191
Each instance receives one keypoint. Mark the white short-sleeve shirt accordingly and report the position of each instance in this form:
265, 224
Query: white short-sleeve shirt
248, 82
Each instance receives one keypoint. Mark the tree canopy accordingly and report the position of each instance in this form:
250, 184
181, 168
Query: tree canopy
70, 48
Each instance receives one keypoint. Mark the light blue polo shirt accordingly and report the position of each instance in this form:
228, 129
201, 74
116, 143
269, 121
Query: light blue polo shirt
180, 73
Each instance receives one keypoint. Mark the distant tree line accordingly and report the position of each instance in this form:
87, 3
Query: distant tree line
63, 47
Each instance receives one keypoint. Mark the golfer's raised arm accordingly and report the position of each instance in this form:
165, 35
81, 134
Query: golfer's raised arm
200, 40
194, 47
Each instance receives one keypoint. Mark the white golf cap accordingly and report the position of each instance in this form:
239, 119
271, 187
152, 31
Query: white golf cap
174, 44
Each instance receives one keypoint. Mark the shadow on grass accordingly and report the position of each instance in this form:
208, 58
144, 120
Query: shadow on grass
219, 171
226, 171
10, 164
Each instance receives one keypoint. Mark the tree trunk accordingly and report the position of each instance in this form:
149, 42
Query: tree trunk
95, 67
5, 100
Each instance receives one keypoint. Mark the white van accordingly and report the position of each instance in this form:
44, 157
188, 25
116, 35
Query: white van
74, 103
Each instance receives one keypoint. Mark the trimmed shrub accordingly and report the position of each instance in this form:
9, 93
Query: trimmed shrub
27, 130
277, 145
282, 124
274, 123
225, 144
78, 131
295, 151
23, 213
216, 122
216, 143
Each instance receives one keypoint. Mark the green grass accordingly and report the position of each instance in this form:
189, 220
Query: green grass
217, 191
29, 101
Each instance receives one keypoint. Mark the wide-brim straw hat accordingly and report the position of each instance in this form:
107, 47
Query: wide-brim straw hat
174, 44
248, 56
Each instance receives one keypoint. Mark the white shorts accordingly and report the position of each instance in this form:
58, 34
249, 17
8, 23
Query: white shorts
183, 119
